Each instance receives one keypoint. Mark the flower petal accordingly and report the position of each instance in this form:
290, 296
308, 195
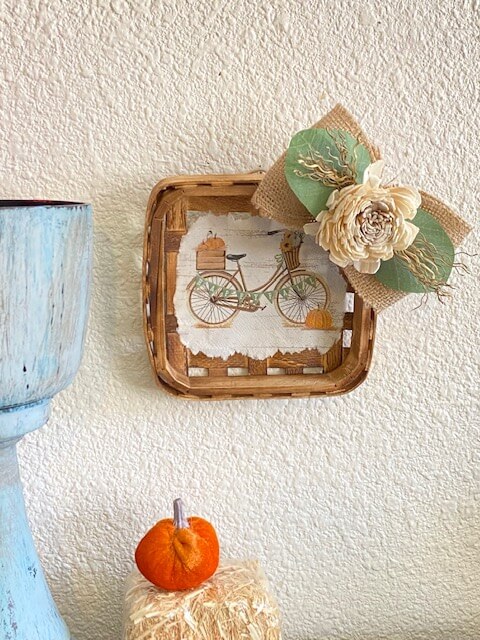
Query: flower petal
320, 215
407, 200
311, 228
340, 262
406, 236
373, 173
332, 197
367, 266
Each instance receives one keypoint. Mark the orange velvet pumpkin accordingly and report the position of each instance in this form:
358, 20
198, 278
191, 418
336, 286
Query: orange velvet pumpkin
319, 319
180, 553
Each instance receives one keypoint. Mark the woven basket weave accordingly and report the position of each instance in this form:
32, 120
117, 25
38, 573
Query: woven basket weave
292, 258
303, 374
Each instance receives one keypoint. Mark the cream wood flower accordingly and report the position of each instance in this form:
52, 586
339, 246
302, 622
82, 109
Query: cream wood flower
366, 223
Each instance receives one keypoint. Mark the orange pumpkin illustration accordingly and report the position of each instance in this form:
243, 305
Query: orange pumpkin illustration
178, 553
211, 242
319, 319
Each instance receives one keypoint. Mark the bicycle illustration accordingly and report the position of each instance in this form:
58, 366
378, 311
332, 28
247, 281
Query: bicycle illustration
217, 295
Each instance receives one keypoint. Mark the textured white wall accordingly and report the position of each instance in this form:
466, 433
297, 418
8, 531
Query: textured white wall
365, 509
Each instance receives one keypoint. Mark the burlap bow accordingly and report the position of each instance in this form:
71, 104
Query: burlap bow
274, 199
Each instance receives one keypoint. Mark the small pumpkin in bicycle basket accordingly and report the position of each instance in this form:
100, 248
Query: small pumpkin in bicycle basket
290, 247
211, 253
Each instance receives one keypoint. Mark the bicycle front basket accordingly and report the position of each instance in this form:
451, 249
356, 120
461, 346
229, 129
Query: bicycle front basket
292, 258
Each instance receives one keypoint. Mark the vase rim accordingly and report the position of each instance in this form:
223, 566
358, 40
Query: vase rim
13, 204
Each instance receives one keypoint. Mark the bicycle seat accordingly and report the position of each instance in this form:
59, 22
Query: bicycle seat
235, 257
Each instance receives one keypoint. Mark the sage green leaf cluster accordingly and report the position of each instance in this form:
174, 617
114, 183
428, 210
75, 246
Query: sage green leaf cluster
320, 161
396, 274
337, 148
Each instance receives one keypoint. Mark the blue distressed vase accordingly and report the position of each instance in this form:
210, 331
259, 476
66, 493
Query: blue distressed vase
45, 270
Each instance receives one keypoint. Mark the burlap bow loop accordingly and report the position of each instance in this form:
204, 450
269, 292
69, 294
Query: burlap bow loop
275, 199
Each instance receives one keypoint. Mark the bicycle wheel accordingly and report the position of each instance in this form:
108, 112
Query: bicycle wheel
213, 300
302, 292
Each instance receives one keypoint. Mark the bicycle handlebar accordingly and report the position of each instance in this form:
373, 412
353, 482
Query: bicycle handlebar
272, 233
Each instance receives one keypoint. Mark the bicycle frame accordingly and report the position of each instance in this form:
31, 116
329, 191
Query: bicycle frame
231, 304
279, 271
232, 284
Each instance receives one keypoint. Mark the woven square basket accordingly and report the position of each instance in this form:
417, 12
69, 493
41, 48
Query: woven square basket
308, 373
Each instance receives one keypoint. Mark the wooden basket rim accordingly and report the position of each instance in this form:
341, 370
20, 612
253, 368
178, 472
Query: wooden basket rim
350, 374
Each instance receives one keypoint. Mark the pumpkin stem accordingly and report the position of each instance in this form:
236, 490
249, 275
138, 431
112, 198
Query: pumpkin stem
179, 518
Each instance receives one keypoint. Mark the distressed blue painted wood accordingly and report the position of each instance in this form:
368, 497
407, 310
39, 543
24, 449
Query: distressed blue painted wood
45, 272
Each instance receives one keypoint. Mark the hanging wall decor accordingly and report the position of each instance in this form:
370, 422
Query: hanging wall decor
268, 285
389, 239
232, 301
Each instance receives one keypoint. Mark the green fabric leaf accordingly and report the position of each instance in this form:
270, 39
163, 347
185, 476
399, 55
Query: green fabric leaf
395, 274
316, 143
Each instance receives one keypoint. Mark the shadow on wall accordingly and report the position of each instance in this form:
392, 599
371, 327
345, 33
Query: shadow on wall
94, 572
87, 616
116, 314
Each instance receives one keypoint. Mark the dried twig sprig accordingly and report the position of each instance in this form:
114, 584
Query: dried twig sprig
337, 171
425, 263
462, 268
